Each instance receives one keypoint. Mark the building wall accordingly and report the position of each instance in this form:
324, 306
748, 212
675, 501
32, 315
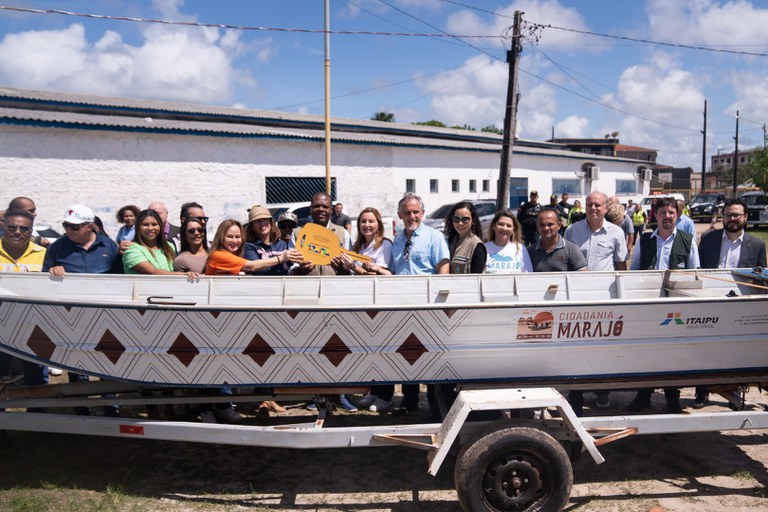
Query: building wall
105, 170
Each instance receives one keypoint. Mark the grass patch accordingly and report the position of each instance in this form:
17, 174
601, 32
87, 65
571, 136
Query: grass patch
743, 475
761, 492
761, 233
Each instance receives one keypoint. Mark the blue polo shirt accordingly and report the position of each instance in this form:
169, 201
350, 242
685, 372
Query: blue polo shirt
103, 256
428, 248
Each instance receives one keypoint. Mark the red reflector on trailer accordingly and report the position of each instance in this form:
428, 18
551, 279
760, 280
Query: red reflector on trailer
132, 429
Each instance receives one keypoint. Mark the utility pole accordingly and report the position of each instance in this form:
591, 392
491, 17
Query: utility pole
510, 115
327, 101
704, 148
736, 157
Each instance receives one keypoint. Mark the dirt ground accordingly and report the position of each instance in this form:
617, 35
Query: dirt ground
683, 472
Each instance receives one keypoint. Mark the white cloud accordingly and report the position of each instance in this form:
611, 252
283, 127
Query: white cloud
174, 63
661, 91
473, 94
709, 22
574, 127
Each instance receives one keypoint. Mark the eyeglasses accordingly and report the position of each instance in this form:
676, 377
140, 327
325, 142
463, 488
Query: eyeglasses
21, 229
73, 227
407, 250
192, 231
462, 220
733, 215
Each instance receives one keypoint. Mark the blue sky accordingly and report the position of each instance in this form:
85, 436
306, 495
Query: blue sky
580, 85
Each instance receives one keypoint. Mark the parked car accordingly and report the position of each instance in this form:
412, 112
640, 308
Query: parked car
301, 210
486, 209
757, 208
705, 204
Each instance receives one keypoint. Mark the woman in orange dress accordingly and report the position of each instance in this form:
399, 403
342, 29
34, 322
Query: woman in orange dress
227, 249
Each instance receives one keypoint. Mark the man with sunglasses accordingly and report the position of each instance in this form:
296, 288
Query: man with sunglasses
82, 250
191, 210
19, 254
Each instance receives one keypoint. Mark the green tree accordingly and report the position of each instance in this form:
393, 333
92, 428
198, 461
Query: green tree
432, 122
387, 117
491, 128
759, 164
464, 127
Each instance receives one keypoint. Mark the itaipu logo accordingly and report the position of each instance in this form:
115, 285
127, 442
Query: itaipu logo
673, 317
692, 322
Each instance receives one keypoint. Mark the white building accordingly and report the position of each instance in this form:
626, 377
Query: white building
60, 149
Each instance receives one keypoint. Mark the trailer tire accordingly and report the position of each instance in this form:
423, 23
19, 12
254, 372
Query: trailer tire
513, 467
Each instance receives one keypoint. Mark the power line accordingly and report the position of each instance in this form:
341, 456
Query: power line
439, 30
648, 41
240, 27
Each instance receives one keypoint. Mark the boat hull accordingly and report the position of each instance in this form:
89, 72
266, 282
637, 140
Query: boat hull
535, 342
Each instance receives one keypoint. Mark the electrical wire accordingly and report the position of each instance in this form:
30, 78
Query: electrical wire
651, 42
240, 27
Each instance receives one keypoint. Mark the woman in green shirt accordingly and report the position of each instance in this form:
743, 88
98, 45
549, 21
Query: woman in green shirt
150, 253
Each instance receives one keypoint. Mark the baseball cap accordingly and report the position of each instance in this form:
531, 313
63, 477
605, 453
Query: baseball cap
288, 217
553, 196
534, 192
78, 214
257, 212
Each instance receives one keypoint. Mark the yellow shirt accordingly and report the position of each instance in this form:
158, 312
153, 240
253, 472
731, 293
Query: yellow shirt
30, 261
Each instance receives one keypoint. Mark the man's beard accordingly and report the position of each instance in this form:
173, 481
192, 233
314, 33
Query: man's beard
734, 226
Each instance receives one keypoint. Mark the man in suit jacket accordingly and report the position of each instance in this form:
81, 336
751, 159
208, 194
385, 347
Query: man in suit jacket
730, 247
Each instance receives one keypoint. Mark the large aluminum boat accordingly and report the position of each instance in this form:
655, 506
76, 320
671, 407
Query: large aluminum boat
578, 329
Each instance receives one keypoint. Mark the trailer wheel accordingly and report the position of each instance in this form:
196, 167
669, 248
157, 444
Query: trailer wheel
513, 468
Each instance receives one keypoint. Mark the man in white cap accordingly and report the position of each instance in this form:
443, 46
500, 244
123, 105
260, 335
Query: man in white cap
82, 250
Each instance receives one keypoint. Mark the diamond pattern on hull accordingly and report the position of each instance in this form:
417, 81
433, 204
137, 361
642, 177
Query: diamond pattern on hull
412, 349
110, 346
184, 350
335, 350
259, 350
40, 343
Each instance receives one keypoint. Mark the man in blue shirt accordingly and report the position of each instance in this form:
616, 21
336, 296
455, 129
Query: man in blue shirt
82, 250
418, 249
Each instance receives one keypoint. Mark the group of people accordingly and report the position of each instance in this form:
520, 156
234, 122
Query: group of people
564, 238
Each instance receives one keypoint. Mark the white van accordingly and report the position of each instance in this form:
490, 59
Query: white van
646, 202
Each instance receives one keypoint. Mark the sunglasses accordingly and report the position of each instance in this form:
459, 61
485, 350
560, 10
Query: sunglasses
192, 231
21, 229
202, 220
73, 227
286, 225
462, 220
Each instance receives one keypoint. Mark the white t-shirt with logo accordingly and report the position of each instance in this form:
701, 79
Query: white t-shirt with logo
508, 259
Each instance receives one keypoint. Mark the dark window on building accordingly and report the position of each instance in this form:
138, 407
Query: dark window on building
433, 188
455, 186
473, 186
486, 185
295, 190
410, 185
